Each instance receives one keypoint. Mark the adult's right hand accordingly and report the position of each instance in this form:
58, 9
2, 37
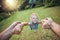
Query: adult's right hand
47, 23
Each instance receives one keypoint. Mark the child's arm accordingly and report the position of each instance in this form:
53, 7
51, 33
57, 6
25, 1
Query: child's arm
40, 22
25, 23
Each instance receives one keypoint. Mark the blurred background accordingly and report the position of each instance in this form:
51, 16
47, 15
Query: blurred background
20, 10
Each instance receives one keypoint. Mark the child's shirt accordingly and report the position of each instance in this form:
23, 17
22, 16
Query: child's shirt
34, 26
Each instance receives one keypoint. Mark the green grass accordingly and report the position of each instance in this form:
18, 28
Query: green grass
27, 34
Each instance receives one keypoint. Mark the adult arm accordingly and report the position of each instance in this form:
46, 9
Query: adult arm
48, 23
7, 33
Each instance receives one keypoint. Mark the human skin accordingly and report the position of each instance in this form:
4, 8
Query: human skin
48, 23
14, 28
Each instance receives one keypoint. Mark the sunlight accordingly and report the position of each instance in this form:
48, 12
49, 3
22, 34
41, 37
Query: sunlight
10, 5
10, 2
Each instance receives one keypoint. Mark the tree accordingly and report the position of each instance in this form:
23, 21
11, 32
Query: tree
23, 5
51, 3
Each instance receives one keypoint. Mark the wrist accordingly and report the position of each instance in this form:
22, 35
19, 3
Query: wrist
13, 31
52, 25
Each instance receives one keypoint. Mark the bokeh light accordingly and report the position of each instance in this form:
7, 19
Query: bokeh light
10, 2
10, 5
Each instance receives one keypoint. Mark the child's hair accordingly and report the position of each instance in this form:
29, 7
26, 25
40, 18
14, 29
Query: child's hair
34, 14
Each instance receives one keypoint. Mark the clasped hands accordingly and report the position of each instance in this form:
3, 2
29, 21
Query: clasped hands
18, 26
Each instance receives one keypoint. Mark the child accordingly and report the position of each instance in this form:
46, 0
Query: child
34, 22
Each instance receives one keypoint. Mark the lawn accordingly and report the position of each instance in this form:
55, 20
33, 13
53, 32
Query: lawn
27, 34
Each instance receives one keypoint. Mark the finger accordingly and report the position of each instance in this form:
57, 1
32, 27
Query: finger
43, 22
17, 29
13, 25
46, 27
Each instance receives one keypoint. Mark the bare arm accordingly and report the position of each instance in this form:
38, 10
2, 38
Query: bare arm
7, 33
14, 28
55, 28
25, 23
50, 24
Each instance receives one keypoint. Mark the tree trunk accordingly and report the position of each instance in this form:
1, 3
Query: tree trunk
24, 5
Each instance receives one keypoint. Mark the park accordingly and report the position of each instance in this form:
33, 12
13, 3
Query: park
23, 15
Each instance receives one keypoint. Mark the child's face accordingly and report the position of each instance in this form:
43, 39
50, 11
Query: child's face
34, 19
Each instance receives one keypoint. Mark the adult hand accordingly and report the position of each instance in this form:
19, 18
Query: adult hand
18, 28
47, 23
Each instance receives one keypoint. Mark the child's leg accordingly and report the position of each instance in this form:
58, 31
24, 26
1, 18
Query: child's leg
35, 34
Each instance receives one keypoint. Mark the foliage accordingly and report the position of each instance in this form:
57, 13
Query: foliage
3, 16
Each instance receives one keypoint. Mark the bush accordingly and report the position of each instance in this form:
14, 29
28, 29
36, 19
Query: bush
3, 16
51, 3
